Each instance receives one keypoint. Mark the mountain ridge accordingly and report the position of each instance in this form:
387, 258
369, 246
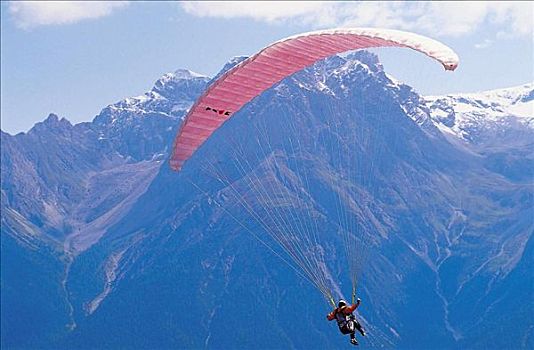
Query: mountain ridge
165, 242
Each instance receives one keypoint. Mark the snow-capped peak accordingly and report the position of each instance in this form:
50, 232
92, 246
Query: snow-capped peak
172, 95
518, 101
170, 81
466, 115
187, 74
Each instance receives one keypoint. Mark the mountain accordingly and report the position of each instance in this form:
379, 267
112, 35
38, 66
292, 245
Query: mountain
62, 185
484, 117
103, 246
497, 124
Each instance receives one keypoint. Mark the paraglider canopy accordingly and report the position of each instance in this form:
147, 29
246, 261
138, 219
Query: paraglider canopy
250, 78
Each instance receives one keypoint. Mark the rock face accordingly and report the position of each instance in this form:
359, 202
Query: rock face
103, 246
62, 177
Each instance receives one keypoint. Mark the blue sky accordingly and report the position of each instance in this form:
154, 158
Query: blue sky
74, 58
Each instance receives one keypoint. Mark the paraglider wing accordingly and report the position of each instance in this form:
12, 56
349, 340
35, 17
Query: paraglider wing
250, 78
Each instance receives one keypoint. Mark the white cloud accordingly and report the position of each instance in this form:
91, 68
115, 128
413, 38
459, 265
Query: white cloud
519, 16
29, 14
484, 44
258, 10
434, 18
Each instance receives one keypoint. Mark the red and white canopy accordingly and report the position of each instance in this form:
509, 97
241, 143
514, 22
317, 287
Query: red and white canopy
250, 78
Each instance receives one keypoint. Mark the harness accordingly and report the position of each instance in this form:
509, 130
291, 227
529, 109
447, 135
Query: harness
346, 323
